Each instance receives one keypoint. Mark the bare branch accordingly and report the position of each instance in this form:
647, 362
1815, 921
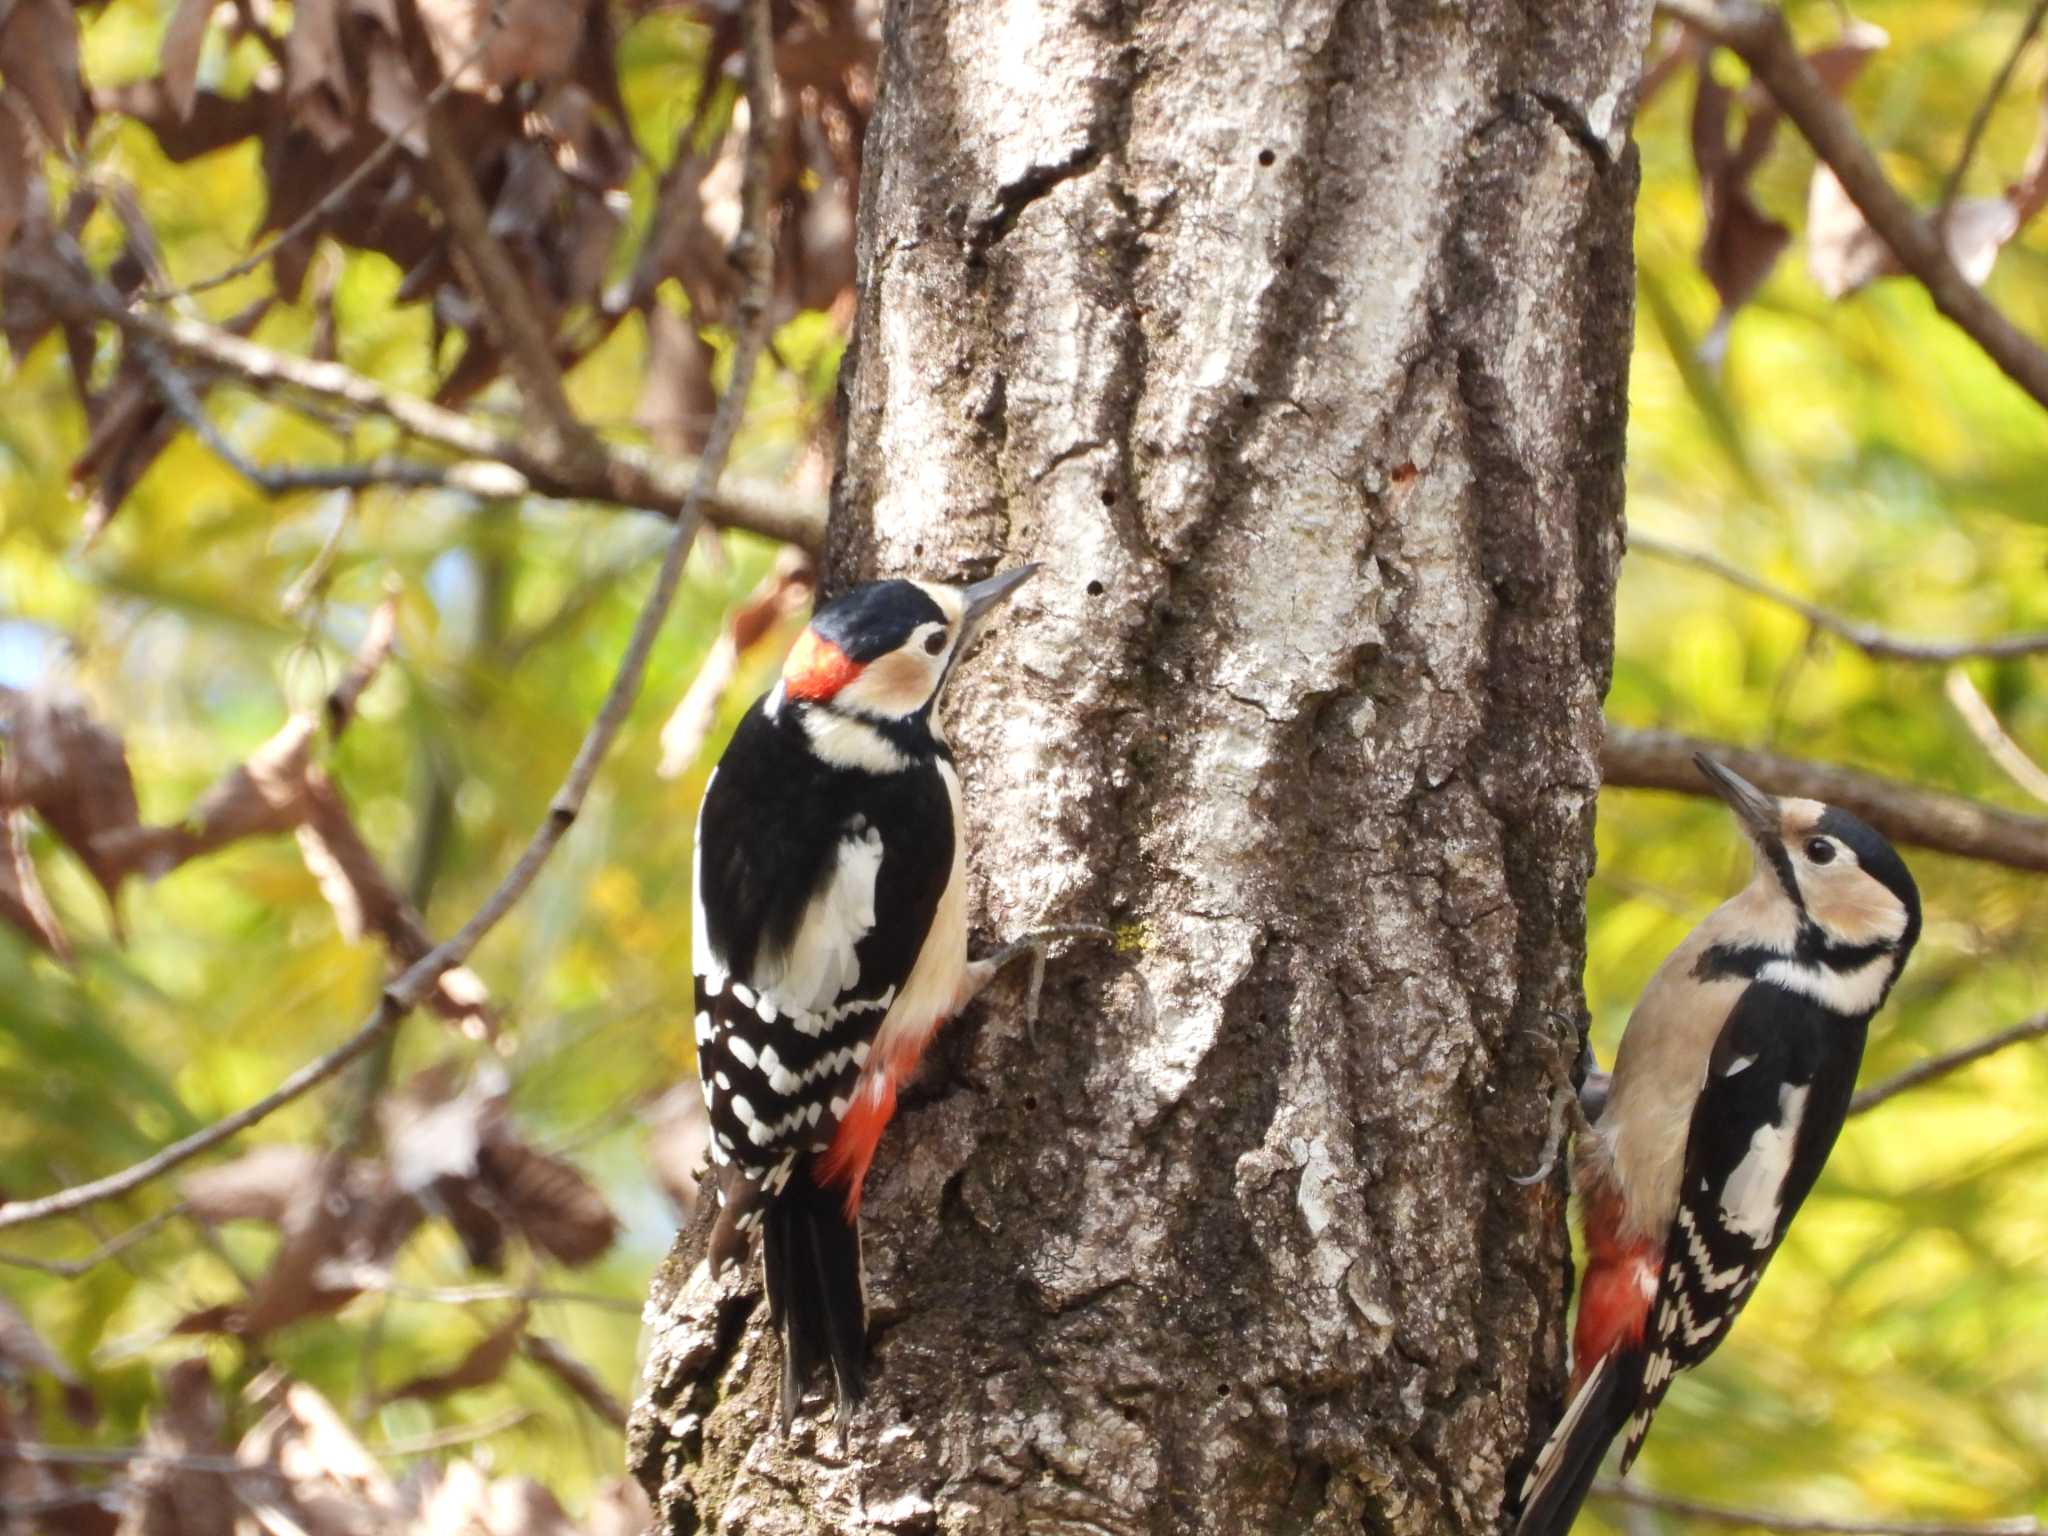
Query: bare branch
369, 659
756, 256
1868, 638
1949, 1061
1808, 1525
17, 1213
1757, 33
1981, 118
499, 466
376, 1281
186, 405
1992, 735
71, 1269
1929, 818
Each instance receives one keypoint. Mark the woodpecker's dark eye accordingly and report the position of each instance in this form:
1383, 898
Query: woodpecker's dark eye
1820, 851
935, 642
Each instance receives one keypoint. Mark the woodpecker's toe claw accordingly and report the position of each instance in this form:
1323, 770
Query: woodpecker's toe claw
1562, 1100
981, 972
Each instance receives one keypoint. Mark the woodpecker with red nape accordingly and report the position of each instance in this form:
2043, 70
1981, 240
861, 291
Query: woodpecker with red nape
829, 942
1732, 1081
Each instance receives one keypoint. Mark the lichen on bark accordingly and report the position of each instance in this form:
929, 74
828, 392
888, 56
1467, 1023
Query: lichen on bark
1293, 338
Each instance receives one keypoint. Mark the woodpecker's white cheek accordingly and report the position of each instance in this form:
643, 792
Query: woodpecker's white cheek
894, 686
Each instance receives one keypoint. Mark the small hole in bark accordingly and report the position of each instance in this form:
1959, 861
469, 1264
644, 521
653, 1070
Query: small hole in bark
1223, 1389
1030, 1101
1287, 261
1108, 496
917, 551
1095, 589
1266, 157
1246, 402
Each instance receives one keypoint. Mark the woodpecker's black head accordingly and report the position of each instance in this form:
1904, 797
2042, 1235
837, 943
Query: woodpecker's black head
1837, 883
883, 651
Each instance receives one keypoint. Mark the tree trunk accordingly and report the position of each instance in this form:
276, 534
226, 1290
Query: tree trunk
1293, 338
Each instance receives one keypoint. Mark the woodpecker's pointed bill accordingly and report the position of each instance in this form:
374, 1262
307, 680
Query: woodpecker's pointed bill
1732, 1081
1757, 811
829, 942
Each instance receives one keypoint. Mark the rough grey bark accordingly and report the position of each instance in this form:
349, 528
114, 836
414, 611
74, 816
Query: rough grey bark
1293, 338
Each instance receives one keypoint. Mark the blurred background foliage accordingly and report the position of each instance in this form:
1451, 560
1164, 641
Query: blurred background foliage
1859, 452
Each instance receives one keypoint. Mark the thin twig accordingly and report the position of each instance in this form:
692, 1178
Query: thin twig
1758, 34
71, 1269
1933, 1067
373, 1281
1981, 118
457, 1434
185, 404
37, 1454
336, 195
1868, 638
1992, 735
1811, 1525
756, 256
1907, 813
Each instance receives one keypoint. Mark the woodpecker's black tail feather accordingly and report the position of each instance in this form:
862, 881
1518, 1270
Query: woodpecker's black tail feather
810, 1257
1570, 1459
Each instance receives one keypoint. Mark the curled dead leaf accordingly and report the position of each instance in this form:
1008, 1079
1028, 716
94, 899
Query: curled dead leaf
184, 41
485, 1363
22, 902
327, 1484
71, 771
168, 1499
1844, 253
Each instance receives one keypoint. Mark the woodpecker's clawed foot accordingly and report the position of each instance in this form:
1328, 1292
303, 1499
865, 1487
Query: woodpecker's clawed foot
981, 972
1570, 1108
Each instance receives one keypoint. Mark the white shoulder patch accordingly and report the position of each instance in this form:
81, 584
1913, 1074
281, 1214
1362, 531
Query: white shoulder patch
1845, 992
849, 743
821, 964
1750, 1199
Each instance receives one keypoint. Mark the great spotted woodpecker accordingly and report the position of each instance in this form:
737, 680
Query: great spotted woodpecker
1732, 1081
829, 942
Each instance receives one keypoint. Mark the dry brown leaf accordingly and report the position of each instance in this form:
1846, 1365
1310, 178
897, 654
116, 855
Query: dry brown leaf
460, 1499
318, 1216
318, 91
557, 1209
1742, 243
1844, 253
536, 40
260, 1185
782, 594
679, 1143
170, 1500
18, 169
485, 1363
332, 1486
184, 41
71, 771
577, 1377
22, 901
39, 58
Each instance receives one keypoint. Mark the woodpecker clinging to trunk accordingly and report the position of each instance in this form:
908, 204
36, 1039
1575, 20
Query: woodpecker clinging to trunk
829, 942
1732, 1081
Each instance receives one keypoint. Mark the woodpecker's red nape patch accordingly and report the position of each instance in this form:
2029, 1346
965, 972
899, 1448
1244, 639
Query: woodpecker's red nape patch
1620, 1284
816, 668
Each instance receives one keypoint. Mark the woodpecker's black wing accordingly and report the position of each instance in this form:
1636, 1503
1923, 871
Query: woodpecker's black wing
1777, 1091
